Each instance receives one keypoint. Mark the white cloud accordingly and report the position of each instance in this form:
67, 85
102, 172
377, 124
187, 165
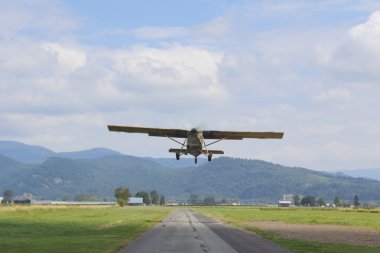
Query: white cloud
217, 28
236, 72
356, 57
172, 66
20, 16
368, 33
335, 94
68, 59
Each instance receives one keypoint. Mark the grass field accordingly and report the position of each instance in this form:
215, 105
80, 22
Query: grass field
241, 216
108, 229
73, 229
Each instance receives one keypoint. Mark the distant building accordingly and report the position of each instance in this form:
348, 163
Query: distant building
135, 201
1, 199
287, 197
22, 201
284, 203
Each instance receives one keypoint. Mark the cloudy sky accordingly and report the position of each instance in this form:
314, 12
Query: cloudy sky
68, 68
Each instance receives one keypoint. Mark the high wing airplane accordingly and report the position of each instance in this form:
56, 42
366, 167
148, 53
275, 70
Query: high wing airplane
194, 143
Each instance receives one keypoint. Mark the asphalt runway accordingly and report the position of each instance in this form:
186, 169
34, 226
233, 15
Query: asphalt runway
186, 231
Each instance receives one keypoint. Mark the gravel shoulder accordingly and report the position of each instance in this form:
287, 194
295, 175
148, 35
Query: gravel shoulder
322, 233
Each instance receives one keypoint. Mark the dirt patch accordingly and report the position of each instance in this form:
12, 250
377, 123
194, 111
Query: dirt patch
322, 233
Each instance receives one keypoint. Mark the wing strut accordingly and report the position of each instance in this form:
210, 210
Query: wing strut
213, 142
180, 151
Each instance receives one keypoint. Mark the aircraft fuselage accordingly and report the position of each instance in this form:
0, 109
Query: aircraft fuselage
195, 142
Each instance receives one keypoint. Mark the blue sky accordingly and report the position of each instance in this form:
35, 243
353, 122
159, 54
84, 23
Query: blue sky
310, 69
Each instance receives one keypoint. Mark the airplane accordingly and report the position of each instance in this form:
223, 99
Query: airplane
194, 143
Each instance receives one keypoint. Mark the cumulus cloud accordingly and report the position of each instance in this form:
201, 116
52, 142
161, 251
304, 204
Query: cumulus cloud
39, 15
368, 32
335, 94
356, 57
236, 71
173, 66
68, 59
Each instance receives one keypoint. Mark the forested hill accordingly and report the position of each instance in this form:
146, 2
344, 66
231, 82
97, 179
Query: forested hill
247, 180
36, 154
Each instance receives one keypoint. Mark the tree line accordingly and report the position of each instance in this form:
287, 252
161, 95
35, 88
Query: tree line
194, 199
152, 198
313, 201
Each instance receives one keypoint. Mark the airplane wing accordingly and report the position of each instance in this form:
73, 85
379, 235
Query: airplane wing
229, 135
162, 132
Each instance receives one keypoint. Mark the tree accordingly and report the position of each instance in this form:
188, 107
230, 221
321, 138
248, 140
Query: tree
162, 200
308, 201
321, 202
209, 201
337, 202
194, 199
356, 201
7, 195
145, 197
122, 195
224, 201
154, 197
297, 200
84, 197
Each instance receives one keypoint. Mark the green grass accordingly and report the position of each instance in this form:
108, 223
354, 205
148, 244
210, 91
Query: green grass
241, 216
74, 229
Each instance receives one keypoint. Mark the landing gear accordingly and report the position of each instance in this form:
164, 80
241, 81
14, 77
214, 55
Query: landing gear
177, 155
209, 157
196, 160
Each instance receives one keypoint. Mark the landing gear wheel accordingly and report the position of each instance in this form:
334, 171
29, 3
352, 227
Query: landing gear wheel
177, 156
209, 157
196, 160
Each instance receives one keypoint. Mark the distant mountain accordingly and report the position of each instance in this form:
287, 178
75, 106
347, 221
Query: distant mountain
365, 173
24, 153
88, 154
10, 169
247, 180
35, 154
6, 162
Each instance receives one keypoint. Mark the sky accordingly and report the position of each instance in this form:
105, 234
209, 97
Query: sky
307, 68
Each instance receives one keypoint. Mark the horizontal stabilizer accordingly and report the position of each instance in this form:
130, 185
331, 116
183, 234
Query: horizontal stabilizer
177, 150
186, 151
216, 152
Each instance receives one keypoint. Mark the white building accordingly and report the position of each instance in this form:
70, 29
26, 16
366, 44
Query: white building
284, 203
135, 201
287, 197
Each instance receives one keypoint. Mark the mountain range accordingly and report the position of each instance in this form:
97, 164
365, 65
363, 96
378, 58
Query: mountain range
46, 174
365, 173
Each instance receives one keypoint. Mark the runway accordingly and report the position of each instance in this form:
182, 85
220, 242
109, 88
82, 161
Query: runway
186, 231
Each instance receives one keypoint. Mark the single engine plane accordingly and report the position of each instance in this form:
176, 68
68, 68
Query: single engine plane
194, 143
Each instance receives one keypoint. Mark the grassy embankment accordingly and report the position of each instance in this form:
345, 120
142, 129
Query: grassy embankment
73, 229
241, 216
